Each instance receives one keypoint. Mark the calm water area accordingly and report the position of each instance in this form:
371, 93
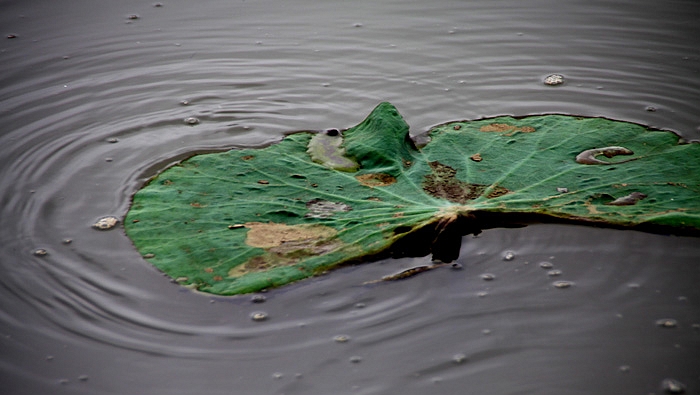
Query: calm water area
93, 98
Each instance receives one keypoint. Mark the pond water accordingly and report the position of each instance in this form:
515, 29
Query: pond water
93, 98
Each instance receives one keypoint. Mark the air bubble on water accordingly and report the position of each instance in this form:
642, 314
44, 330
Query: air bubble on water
633, 285
277, 375
258, 298
488, 276
157, 4
508, 256
326, 84
650, 108
667, 323
436, 380
355, 359
357, 24
191, 121
554, 273
258, 316
112, 140
554, 79
41, 252
624, 368
546, 265
341, 338
106, 223
49, 357
562, 284
360, 305
63, 381
482, 294
486, 332
66, 241
108, 159
83, 377
459, 358
673, 386
133, 16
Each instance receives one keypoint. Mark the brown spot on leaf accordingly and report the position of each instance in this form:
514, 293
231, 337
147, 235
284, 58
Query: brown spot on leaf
285, 245
398, 215
272, 234
247, 157
376, 179
509, 130
263, 182
196, 204
457, 127
209, 270
476, 157
497, 191
218, 278
443, 183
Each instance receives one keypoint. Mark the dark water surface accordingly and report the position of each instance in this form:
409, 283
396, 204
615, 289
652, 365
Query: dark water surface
92, 317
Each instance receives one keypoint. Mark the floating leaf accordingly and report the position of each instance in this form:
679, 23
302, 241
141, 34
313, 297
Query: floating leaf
246, 220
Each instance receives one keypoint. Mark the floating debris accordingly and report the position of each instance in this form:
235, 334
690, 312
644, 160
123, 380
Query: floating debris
563, 190
476, 157
133, 16
258, 316
667, 323
650, 109
488, 277
673, 386
66, 241
341, 338
149, 256
554, 79
112, 140
258, 298
459, 358
40, 252
508, 256
562, 284
106, 223
191, 121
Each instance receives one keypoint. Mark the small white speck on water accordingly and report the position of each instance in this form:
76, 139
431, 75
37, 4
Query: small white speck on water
562, 284
508, 256
191, 121
106, 223
554, 79
554, 273
40, 252
673, 386
341, 338
355, 359
459, 358
488, 277
258, 316
667, 323
546, 265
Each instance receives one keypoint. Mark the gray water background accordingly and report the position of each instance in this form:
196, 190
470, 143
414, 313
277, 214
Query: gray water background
92, 317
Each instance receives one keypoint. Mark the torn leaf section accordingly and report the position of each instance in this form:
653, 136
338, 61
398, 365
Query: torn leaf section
588, 157
319, 208
327, 149
442, 183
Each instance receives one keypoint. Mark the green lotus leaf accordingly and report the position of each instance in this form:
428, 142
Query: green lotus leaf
250, 219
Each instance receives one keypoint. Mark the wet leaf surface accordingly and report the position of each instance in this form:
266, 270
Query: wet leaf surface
246, 220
